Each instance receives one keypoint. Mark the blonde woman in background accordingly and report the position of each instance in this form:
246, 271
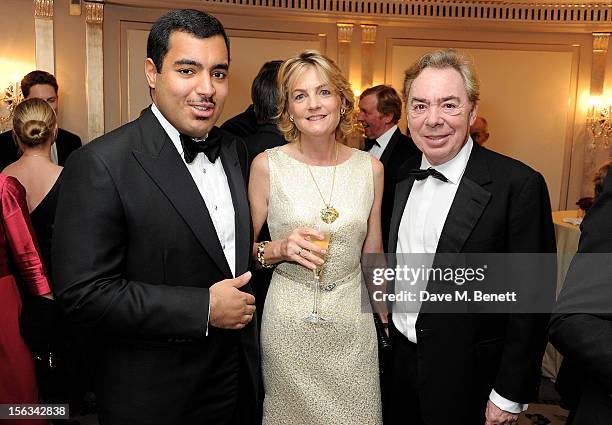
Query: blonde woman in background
34, 130
317, 373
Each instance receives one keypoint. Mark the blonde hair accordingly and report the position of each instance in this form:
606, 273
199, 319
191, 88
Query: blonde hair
34, 122
328, 71
443, 59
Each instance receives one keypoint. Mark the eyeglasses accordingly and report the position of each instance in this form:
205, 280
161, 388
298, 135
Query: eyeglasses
450, 108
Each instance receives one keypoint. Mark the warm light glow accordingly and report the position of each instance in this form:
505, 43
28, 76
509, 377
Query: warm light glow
595, 101
357, 92
12, 72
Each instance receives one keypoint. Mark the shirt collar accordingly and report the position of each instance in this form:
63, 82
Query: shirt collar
453, 170
383, 139
170, 130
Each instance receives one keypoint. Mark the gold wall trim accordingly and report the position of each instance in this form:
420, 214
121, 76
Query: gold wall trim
43, 9
94, 13
551, 12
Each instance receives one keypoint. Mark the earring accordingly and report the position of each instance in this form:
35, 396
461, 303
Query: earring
290, 118
342, 111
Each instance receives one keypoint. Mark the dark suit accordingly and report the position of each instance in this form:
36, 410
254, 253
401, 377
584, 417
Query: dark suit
66, 143
581, 328
267, 136
134, 253
242, 125
500, 206
397, 151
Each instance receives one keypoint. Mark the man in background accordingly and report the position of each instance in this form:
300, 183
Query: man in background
480, 130
42, 85
380, 108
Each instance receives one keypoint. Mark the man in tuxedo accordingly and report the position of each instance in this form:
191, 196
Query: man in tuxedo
462, 368
41, 85
380, 108
152, 244
581, 328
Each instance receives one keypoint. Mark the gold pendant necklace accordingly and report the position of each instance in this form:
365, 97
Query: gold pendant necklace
328, 214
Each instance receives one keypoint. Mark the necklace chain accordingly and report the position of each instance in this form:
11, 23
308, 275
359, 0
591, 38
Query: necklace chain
35, 155
329, 213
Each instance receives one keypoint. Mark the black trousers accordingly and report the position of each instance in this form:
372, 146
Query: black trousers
402, 406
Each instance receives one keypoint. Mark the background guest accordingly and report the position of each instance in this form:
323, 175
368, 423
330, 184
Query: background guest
480, 130
35, 130
380, 108
581, 327
264, 93
41, 85
19, 256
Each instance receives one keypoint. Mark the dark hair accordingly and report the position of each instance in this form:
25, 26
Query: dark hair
264, 92
195, 22
34, 122
600, 177
37, 77
388, 101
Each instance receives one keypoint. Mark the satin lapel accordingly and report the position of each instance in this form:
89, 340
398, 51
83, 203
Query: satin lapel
231, 165
402, 190
386, 155
470, 201
170, 174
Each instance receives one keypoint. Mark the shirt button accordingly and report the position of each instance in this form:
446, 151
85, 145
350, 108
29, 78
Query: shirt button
223, 246
215, 208
204, 170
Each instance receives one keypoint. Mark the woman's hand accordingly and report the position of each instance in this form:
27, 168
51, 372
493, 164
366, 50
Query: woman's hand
298, 248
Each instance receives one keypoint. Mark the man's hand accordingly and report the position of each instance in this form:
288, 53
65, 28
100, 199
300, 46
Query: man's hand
231, 308
495, 416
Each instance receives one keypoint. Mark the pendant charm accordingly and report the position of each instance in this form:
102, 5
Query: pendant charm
329, 214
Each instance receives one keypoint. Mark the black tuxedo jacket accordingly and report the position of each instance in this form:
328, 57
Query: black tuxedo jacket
581, 328
501, 205
397, 151
134, 254
66, 143
242, 125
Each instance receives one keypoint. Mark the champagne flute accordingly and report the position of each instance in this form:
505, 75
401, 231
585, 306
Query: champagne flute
314, 316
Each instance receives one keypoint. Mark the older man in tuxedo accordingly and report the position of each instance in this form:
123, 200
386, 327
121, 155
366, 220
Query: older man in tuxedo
458, 197
380, 108
152, 244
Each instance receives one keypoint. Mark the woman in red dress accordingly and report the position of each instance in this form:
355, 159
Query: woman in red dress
19, 254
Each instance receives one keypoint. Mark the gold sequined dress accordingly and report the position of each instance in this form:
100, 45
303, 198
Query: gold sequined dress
320, 374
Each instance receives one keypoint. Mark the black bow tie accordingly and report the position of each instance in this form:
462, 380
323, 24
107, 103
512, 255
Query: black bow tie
211, 146
369, 144
420, 174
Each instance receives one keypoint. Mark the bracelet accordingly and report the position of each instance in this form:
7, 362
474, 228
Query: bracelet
260, 255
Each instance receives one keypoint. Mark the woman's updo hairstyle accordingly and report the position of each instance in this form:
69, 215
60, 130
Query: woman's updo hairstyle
34, 122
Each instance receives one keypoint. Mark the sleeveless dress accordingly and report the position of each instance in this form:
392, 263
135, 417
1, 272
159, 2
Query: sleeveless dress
320, 373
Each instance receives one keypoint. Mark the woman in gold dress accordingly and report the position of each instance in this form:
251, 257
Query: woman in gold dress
317, 373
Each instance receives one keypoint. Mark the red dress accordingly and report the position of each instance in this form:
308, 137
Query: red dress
18, 251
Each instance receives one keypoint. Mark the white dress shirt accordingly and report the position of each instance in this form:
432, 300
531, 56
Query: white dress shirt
213, 186
420, 228
383, 141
